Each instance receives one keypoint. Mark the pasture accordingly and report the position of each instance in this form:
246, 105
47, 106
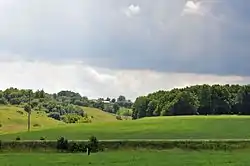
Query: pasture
190, 127
14, 119
128, 158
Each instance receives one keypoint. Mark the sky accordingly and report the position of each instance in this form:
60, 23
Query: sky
107, 48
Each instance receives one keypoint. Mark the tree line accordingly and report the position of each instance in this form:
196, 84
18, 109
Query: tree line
195, 100
64, 105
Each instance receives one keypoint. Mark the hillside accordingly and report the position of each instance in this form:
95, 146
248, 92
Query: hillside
98, 115
191, 127
14, 119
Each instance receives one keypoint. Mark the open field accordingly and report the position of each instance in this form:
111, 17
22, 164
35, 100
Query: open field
14, 119
128, 158
190, 127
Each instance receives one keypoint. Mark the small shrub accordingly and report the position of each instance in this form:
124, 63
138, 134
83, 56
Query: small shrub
20, 112
118, 117
78, 147
55, 115
93, 144
71, 118
36, 125
18, 138
85, 120
62, 144
42, 138
1, 125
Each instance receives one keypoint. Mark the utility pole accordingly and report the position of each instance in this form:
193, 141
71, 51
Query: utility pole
29, 112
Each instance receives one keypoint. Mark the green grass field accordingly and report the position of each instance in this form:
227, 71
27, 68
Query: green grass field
14, 119
99, 116
192, 127
128, 158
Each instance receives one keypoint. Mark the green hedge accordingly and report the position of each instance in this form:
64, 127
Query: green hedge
80, 146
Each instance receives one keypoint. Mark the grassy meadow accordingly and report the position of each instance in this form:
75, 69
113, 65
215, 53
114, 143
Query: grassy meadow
14, 119
98, 115
190, 127
128, 158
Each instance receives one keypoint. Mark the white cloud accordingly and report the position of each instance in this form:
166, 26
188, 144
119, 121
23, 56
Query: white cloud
132, 10
97, 82
193, 8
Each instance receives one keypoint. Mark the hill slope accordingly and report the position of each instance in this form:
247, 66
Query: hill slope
202, 127
14, 119
98, 115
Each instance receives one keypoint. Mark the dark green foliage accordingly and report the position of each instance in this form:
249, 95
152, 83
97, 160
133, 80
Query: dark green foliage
27, 108
71, 118
93, 144
99, 104
42, 138
36, 125
1, 125
116, 107
20, 112
118, 117
54, 115
81, 146
199, 99
62, 144
3, 101
76, 147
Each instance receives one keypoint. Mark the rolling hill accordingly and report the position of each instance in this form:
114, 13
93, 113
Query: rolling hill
190, 127
98, 115
14, 119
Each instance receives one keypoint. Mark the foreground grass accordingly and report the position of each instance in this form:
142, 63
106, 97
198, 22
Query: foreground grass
14, 119
201, 127
128, 158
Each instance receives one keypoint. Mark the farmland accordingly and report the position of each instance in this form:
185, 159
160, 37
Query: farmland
181, 127
127, 158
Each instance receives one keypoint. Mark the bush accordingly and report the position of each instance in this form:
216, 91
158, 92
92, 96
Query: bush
36, 125
62, 144
20, 112
18, 138
42, 138
1, 125
78, 147
55, 115
71, 118
85, 120
93, 144
118, 117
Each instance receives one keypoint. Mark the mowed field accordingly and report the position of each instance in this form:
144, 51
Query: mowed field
128, 158
190, 127
14, 119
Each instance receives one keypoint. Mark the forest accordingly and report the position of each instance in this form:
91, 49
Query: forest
195, 100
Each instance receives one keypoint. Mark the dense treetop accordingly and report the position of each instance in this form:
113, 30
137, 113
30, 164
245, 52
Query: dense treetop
195, 100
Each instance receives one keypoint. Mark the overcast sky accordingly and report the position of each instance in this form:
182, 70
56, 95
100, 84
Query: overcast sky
106, 48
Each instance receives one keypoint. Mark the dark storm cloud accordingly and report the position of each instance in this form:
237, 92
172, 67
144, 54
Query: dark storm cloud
149, 35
